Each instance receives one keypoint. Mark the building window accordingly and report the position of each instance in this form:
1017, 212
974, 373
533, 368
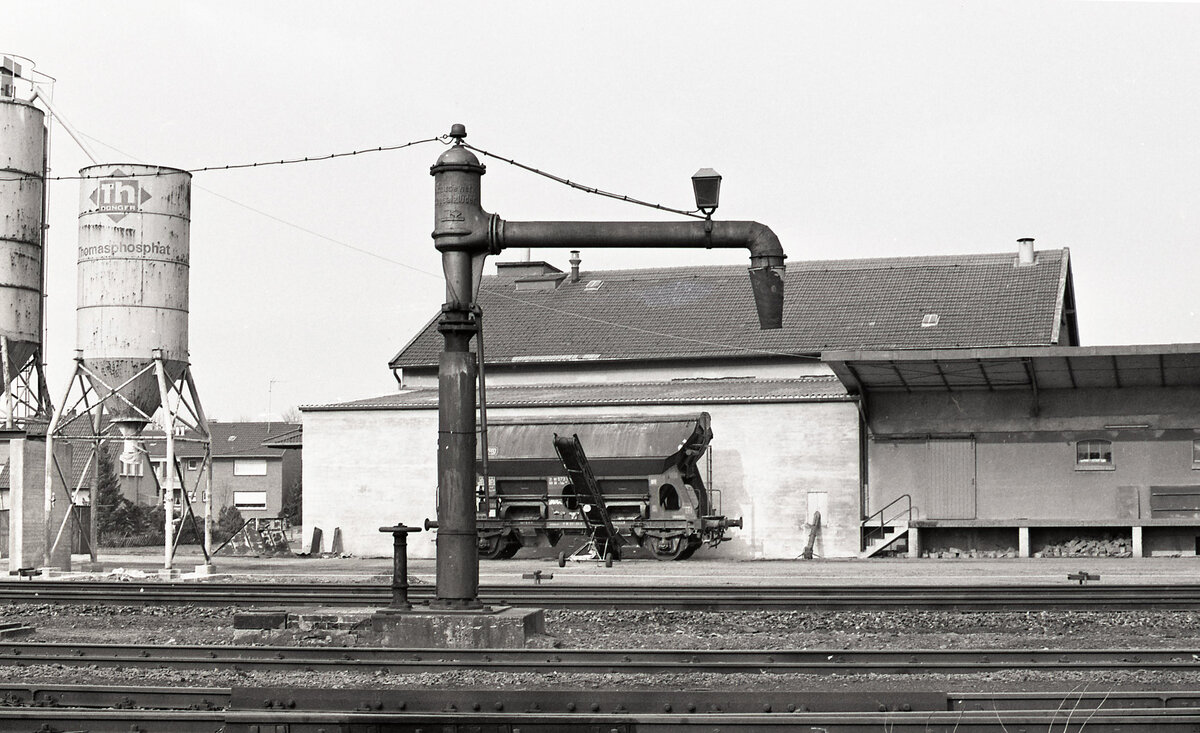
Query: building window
137, 468
1196, 454
250, 499
193, 464
1092, 455
250, 467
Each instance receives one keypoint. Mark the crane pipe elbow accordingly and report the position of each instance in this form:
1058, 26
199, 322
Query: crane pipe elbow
766, 270
765, 249
764, 246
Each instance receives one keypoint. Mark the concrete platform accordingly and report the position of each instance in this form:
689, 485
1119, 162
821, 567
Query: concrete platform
492, 628
496, 628
704, 568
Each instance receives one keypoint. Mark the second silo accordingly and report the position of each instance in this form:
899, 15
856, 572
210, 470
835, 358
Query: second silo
133, 283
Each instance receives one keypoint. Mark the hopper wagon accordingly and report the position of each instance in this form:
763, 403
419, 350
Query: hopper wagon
624, 480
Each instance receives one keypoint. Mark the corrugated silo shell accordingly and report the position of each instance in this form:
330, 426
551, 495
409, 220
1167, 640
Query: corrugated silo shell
22, 185
133, 269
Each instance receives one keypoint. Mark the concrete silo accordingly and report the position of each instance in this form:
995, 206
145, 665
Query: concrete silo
132, 366
24, 403
134, 223
22, 212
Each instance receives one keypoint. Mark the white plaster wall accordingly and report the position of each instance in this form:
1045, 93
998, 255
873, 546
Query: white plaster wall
370, 468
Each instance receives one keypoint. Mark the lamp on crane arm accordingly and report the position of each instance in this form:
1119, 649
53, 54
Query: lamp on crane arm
706, 185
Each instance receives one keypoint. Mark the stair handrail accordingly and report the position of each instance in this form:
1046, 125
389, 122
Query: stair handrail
872, 529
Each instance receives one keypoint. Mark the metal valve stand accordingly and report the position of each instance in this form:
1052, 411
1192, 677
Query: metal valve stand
399, 566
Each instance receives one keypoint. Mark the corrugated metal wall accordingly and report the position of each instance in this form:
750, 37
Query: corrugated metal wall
951, 479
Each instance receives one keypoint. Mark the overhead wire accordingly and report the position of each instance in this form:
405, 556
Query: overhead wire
234, 166
285, 222
492, 292
581, 187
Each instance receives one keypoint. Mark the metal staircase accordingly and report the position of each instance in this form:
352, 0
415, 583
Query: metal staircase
882, 529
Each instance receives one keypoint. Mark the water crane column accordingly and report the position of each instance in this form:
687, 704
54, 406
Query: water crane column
465, 234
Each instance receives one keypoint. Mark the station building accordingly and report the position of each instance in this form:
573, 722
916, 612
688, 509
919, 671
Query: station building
789, 437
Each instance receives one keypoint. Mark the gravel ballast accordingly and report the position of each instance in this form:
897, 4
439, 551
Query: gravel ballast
846, 630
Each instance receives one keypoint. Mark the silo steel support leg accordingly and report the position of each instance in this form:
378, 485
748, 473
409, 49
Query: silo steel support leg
169, 467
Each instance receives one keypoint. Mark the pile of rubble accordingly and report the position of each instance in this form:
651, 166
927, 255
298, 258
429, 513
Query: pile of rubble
955, 552
1110, 546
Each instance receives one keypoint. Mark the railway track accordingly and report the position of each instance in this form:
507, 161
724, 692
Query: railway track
595, 596
591, 661
242, 710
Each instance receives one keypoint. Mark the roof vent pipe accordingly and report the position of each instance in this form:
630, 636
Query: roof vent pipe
1025, 252
574, 265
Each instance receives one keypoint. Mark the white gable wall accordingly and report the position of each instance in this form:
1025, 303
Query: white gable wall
773, 463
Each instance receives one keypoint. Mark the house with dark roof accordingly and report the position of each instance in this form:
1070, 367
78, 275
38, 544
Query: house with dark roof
787, 434
252, 464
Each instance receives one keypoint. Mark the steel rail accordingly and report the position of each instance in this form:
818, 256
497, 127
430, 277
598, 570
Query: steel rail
578, 700
626, 711
1159, 721
114, 696
591, 661
238, 721
596, 596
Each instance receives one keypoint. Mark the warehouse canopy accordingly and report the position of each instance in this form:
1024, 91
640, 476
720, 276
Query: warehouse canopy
1043, 368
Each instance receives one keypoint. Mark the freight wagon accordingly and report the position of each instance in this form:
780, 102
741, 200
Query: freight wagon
646, 471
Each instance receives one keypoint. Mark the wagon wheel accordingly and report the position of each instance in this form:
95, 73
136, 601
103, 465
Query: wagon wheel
498, 547
509, 548
668, 548
692, 545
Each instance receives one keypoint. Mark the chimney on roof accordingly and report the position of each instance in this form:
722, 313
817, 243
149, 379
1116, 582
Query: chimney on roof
1025, 252
574, 265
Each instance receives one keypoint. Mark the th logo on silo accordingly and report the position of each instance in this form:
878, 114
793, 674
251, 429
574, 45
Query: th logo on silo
119, 196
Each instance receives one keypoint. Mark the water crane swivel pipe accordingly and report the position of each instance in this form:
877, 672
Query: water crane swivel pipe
465, 234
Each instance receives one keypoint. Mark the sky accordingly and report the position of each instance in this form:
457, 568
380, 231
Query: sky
852, 129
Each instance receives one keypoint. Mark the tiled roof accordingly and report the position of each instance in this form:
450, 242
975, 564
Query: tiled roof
229, 440
290, 439
674, 392
690, 312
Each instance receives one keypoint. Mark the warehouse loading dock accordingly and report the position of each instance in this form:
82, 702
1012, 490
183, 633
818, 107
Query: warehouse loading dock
1030, 447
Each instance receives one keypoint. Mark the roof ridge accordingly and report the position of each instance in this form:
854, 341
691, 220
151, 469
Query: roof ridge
859, 263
